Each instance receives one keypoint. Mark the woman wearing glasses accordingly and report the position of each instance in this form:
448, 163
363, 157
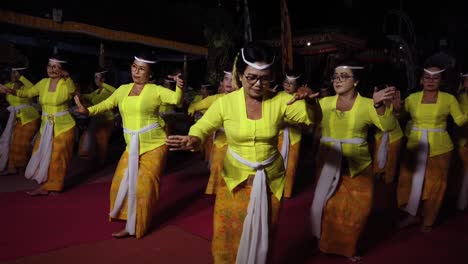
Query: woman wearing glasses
289, 142
423, 174
343, 195
53, 149
249, 195
135, 186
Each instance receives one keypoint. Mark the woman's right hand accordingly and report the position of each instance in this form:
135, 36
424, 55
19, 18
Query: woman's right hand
6, 90
80, 108
178, 142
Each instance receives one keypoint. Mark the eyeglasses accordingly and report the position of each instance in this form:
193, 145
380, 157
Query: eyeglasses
252, 79
340, 78
53, 67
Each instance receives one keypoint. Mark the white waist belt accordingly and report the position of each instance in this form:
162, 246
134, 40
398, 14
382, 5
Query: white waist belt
418, 176
329, 179
128, 185
253, 246
5, 139
38, 166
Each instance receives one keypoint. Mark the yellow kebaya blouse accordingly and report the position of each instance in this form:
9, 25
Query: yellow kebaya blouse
354, 123
253, 140
433, 116
140, 111
27, 114
53, 102
98, 96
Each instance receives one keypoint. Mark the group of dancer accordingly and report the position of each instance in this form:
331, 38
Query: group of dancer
255, 137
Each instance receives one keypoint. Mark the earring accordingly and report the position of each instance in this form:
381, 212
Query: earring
355, 84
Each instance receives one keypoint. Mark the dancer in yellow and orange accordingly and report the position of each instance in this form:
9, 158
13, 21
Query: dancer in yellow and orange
463, 145
423, 175
289, 142
344, 192
53, 149
249, 195
135, 186
100, 126
22, 125
218, 152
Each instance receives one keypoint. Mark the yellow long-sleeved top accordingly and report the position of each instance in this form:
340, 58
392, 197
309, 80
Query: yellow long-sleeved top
140, 111
53, 102
463, 100
27, 114
394, 135
253, 140
220, 138
433, 116
295, 133
100, 95
354, 123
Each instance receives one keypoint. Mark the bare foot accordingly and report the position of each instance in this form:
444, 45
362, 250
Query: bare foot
38, 192
409, 221
121, 234
426, 229
355, 259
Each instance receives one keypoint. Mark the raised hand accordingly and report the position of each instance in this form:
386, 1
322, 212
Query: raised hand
178, 79
80, 109
6, 90
178, 142
304, 93
387, 93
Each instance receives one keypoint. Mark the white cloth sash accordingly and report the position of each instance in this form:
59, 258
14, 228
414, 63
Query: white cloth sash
383, 150
285, 147
38, 165
253, 246
128, 185
421, 163
5, 139
329, 179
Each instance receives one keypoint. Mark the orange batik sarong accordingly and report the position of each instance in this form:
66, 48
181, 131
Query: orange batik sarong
151, 166
20, 146
229, 213
207, 148
391, 166
62, 153
346, 212
293, 160
216, 168
435, 184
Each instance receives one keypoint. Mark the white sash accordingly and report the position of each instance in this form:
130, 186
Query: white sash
383, 150
38, 166
285, 147
418, 176
329, 179
5, 139
253, 246
128, 185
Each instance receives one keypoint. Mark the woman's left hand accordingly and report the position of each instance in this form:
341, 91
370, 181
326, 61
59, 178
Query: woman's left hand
6, 90
304, 93
179, 142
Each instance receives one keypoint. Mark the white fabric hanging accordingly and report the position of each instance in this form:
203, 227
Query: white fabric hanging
38, 165
128, 184
383, 150
420, 171
5, 139
329, 179
285, 147
253, 246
